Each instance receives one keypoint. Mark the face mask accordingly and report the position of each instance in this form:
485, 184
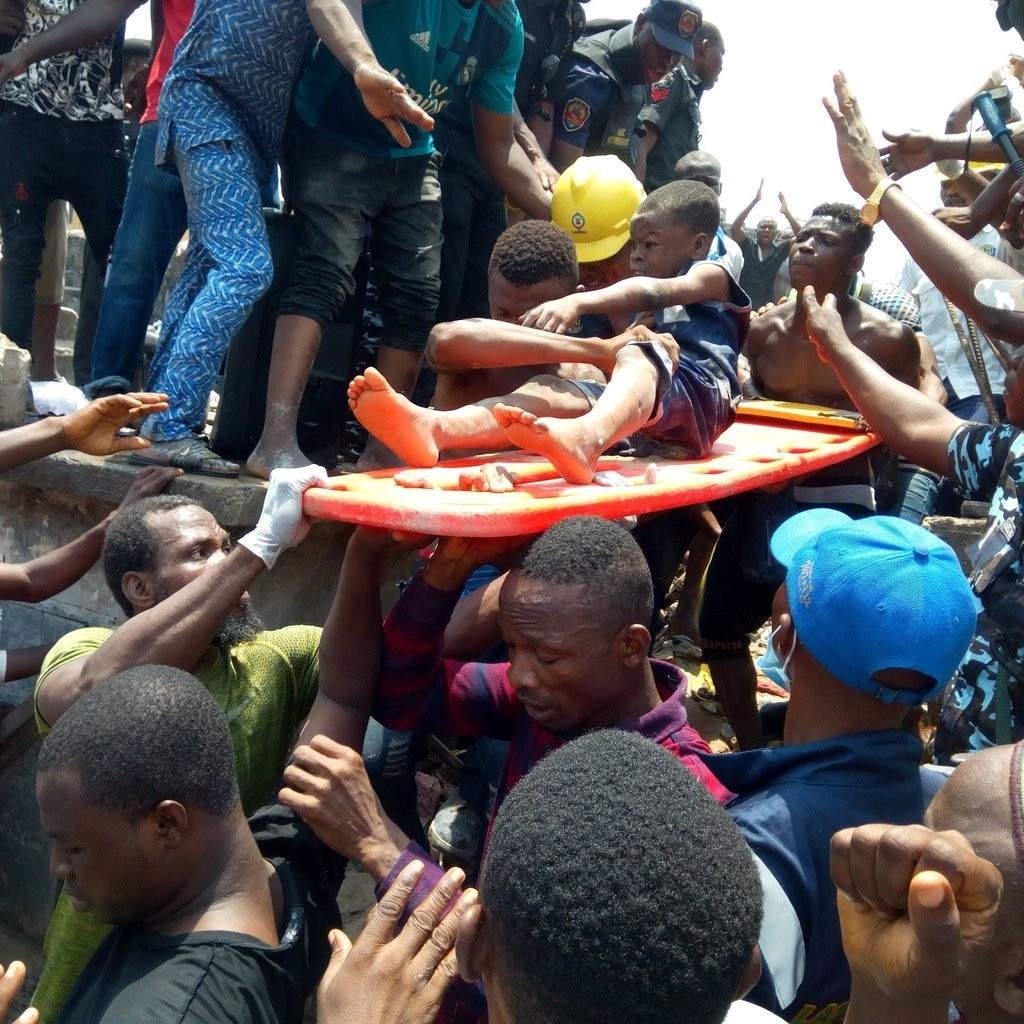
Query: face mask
769, 664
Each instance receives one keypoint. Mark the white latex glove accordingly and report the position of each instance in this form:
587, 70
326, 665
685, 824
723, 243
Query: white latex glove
281, 524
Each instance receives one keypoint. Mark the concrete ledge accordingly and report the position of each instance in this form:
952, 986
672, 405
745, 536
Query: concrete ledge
235, 504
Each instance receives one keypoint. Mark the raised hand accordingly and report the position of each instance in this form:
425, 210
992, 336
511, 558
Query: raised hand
918, 908
389, 101
392, 975
907, 152
94, 429
858, 154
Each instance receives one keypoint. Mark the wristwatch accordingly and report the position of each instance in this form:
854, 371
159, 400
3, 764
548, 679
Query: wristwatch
869, 212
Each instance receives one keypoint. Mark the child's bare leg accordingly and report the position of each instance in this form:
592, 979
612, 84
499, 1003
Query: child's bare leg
418, 436
575, 445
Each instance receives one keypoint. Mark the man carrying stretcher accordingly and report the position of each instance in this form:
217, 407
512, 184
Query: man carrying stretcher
677, 389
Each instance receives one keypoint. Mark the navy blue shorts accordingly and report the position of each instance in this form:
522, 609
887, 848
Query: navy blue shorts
692, 406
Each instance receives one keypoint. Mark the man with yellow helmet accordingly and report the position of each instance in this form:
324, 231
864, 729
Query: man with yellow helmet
593, 202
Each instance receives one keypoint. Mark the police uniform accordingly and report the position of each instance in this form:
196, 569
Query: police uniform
674, 111
601, 89
473, 206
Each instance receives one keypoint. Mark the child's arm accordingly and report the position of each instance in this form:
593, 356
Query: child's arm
704, 282
491, 344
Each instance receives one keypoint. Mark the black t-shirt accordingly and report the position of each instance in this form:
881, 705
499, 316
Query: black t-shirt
139, 976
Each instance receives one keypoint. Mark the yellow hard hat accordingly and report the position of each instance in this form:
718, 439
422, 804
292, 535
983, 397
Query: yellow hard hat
594, 201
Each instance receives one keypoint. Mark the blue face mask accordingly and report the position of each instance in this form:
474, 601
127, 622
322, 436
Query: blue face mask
770, 665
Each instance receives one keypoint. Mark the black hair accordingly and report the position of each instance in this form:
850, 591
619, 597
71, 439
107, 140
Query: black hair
709, 32
128, 545
847, 218
136, 49
698, 165
534, 251
148, 734
586, 551
687, 202
620, 890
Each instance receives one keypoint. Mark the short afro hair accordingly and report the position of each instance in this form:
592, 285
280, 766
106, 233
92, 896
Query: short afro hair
148, 734
128, 545
701, 166
589, 552
686, 202
847, 219
709, 33
621, 891
534, 251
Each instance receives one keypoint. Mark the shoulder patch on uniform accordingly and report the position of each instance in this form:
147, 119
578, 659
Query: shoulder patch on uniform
659, 91
688, 22
575, 114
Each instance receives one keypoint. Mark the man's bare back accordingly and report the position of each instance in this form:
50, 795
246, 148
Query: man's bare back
784, 365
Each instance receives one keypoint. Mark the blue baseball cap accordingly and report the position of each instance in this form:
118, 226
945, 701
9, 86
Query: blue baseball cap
873, 594
675, 23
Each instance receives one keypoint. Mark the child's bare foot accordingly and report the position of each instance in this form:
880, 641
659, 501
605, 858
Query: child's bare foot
492, 477
405, 428
564, 442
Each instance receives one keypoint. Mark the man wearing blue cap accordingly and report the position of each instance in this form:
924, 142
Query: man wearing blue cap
601, 89
871, 621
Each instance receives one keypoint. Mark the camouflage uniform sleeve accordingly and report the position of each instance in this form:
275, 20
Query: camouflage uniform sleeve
979, 454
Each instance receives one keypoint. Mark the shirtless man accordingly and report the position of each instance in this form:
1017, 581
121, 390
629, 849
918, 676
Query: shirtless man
827, 253
531, 263
781, 363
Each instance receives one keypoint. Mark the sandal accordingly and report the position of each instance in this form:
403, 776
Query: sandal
681, 647
192, 454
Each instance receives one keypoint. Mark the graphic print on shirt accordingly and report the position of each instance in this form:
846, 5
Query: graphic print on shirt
75, 85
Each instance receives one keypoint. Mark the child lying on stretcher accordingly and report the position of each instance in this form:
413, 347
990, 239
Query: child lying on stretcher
677, 389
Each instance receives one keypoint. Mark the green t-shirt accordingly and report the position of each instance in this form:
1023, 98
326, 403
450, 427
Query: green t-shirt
435, 48
265, 688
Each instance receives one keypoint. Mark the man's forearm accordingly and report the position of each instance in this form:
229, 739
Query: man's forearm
510, 168
350, 649
31, 442
57, 570
339, 25
492, 344
526, 139
794, 224
86, 24
178, 630
952, 263
910, 423
737, 225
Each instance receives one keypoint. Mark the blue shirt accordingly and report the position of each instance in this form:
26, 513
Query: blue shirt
585, 88
711, 332
233, 74
439, 49
790, 802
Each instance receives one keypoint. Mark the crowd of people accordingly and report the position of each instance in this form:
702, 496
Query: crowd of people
205, 780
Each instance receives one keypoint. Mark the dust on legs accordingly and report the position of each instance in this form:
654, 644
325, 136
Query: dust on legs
568, 444
407, 429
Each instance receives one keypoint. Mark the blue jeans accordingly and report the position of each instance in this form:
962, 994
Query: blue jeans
153, 221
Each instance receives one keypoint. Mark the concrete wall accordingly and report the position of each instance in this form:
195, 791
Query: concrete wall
37, 515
